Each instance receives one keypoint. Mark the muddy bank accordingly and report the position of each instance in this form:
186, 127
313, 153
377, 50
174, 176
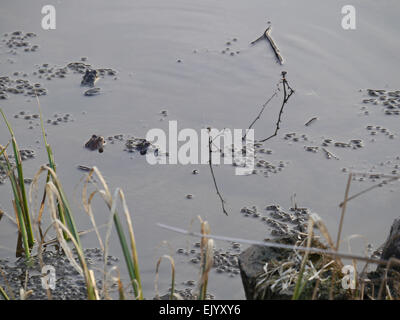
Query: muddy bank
272, 273
68, 283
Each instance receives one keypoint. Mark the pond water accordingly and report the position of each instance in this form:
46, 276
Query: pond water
168, 56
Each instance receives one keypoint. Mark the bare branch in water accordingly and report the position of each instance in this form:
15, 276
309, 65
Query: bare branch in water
310, 121
329, 155
261, 112
389, 179
287, 93
266, 35
210, 143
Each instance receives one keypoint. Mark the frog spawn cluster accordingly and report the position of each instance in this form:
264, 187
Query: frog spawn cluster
229, 47
19, 87
379, 172
18, 40
44, 71
263, 166
25, 154
225, 261
90, 74
70, 284
390, 100
353, 144
293, 223
374, 130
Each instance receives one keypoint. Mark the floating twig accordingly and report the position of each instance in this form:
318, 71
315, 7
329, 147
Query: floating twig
310, 121
329, 154
260, 113
84, 168
275, 48
287, 93
390, 179
210, 143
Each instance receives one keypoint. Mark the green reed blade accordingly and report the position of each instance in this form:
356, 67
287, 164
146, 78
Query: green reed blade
21, 184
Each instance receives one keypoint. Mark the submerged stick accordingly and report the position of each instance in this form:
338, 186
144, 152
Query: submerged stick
310, 121
346, 198
287, 93
273, 45
271, 41
210, 142
329, 154
260, 113
390, 179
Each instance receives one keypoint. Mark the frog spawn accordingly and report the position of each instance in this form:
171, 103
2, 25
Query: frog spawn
259, 149
261, 166
25, 154
185, 294
45, 71
376, 130
230, 48
266, 166
381, 172
59, 119
225, 261
18, 40
19, 87
134, 145
293, 223
90, 74
389, 100
323, 144
34, 119
70, 284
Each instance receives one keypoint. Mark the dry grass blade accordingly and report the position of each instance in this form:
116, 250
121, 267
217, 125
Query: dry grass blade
92, 281
117, 279
105, 254
88, 209
40, 255
392, 261
346, 197
131, 257
172, 262
325, 233
63, 209
3, 294
389, 179
300, 283
206, 260
51, 190
10, 291
60, 228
